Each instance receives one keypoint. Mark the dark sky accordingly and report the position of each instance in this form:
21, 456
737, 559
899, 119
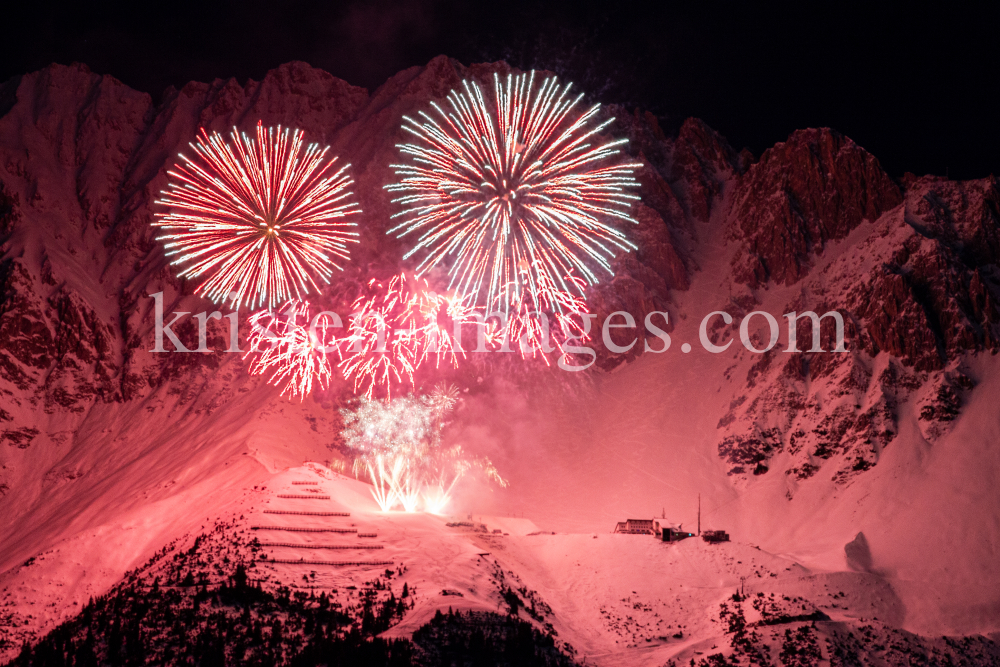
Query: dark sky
914, 85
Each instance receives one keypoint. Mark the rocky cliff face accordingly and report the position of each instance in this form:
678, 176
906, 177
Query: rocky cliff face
803, 193
917, 290
913, 273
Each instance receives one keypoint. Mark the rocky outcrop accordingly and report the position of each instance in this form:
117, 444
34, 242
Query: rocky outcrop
702, 162
813, 188
917, 293
56, 345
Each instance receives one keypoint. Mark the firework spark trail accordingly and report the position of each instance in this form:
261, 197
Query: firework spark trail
396, 327
407, 486
383, 488
519, 184
527, 318
437, 494
393, 481
448, 467
294, 347
443, 400
375, 355
436, 497
433, 321
260, 221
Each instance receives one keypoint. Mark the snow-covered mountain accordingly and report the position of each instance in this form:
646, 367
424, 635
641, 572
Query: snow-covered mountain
109, 451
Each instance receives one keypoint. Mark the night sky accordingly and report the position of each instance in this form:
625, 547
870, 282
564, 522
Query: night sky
914, 85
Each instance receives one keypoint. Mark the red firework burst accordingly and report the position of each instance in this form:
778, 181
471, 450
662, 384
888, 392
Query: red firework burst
396, 327
373, 354
434, 321
539, 317
259, 221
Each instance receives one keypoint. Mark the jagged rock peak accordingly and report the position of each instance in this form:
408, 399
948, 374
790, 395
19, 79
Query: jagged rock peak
815, 187
702, 160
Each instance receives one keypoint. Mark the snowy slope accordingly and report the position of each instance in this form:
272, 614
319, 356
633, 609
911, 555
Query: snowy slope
609, 599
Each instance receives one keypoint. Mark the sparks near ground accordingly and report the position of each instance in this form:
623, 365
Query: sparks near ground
258, 221
398, 446
511, 190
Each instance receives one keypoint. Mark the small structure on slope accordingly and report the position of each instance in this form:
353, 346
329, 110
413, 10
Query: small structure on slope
672, 534
638, 527
713, 536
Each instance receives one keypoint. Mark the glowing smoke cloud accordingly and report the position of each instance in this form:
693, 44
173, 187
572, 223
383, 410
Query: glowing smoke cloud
259, 221
512, 190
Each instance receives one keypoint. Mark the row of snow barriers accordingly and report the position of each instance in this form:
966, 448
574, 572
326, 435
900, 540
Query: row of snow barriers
311, 495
